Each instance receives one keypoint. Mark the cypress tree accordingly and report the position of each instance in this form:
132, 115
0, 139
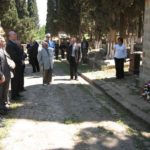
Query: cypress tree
33, 12
22, 10
52, 17
63, 15
9, 17
25, 24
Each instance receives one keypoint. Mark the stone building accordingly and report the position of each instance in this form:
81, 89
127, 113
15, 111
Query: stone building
145, 68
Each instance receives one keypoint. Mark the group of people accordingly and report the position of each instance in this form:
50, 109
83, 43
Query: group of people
46, 57
77, 51
12, 62
12, 67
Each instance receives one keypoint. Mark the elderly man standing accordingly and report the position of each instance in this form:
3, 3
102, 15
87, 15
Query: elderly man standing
4, 77
15, 53
45, 58
51, 43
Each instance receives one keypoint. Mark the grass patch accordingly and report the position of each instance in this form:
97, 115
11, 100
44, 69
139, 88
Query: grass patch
71, 120
15, 105
105, 110
86, 68
64, 66
4, 129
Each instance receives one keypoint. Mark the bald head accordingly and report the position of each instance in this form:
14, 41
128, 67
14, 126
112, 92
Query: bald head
12, 36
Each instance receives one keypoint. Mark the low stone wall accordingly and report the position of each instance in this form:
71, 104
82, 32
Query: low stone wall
145, 69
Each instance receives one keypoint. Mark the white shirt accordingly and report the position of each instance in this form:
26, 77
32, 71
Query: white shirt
120, 51
73, 49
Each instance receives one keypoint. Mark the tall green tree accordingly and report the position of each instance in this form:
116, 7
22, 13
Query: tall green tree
33, 12
69, 16
25, 24
22, 9
96, 17
9, 17
52, 20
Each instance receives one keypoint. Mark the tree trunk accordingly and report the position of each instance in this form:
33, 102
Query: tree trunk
140, 26
122, 25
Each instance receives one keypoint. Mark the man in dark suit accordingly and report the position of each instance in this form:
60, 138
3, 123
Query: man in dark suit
62, 49
15, 53
56, 49
84, 48
33, 51
74, 56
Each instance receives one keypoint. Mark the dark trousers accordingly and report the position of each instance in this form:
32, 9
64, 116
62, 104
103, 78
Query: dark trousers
84, 55
4, 93
35, 65
56, 53
63, 53
47, 76
119, 65
15, 82
73, 68
22, 78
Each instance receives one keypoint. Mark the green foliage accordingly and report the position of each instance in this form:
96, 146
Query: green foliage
14, 15
21, 6
9, 17
25, 23
95, 17
25, 29
51, 24
33, 12
63, 15
40, 33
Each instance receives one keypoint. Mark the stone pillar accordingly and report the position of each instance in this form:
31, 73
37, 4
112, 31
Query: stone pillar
145, 68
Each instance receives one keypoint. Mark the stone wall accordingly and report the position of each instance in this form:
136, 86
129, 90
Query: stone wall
145, 68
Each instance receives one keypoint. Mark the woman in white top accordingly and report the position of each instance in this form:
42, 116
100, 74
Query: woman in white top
120, 55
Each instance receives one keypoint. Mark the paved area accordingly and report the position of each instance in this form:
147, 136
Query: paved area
70, 115
125, 92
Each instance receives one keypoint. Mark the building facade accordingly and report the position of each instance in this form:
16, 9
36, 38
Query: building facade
145, 68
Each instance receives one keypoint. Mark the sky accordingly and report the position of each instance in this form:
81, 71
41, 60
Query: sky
42, 10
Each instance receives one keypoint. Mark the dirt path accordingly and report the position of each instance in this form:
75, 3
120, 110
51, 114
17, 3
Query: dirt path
66, 115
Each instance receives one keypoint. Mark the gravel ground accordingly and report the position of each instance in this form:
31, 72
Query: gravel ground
70, 115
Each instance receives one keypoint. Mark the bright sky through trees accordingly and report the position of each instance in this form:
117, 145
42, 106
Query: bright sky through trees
42, 10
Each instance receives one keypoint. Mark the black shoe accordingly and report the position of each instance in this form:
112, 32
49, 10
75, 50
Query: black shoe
18, 96
22, 90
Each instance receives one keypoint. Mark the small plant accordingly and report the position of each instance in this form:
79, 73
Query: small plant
146, 91
71, 120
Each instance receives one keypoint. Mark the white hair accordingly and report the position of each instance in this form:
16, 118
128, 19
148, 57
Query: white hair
48, 35
11, 33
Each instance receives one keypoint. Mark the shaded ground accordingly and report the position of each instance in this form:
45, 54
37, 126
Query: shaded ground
70, 115
125, 92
